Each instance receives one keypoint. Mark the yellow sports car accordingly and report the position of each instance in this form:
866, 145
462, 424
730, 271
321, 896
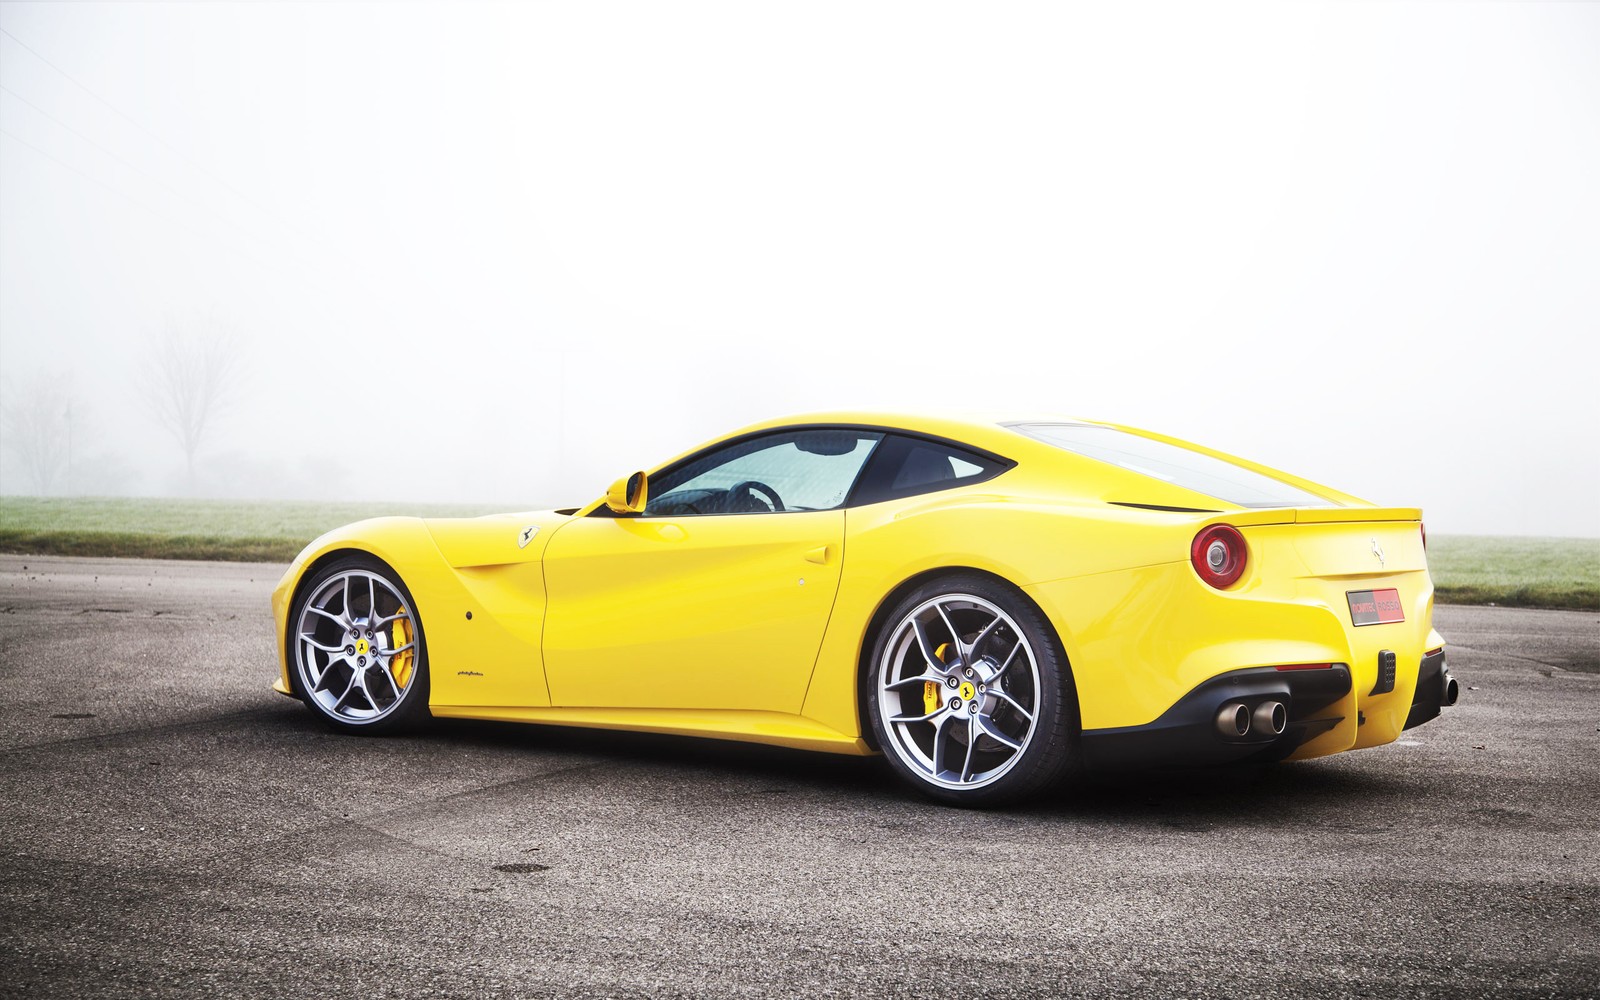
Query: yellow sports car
989, 603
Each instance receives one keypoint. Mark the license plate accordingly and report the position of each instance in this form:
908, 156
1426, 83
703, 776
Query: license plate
1375, 607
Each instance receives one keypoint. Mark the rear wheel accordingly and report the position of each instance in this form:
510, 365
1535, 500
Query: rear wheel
969, 696
359, 655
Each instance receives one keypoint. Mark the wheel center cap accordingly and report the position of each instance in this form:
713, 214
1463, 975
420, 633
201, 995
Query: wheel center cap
967, 691
361, 647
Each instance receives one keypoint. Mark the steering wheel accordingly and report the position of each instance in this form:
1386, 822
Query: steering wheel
741, 496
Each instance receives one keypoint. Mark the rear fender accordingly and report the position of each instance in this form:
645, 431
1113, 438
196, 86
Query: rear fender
1017, 541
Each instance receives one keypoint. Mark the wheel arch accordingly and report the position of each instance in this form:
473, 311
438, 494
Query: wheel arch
879, 619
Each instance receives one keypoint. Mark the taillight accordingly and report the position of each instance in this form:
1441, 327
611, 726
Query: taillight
1218, 554
1424, 529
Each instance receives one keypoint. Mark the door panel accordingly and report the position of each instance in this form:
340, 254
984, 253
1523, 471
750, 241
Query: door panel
710, 612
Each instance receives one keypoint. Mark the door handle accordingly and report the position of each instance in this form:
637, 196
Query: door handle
820, 555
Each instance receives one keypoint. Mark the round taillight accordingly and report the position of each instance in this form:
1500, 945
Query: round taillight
1218, 554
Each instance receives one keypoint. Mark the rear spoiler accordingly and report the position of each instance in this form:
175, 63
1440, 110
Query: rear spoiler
1315, 515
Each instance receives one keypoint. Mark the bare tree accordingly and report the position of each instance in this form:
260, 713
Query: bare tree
187, 378
36, 424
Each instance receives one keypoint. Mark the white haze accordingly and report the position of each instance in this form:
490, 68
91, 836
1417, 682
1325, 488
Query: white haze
506, 253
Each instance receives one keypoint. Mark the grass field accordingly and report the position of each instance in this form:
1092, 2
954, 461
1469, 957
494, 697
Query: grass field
1516, 572
231, 530
1511, 572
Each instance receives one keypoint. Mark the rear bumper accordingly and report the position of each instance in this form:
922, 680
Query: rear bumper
1436, 689
1186, 734
1319, 703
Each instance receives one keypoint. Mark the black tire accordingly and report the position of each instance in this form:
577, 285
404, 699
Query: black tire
339, 652
972, 691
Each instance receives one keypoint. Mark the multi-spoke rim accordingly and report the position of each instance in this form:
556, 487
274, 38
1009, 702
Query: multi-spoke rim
958, 689
356, 646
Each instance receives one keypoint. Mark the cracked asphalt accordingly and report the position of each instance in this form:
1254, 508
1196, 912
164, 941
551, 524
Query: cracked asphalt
173, 828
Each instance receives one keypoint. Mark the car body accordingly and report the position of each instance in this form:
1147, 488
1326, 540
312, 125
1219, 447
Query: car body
1168, 604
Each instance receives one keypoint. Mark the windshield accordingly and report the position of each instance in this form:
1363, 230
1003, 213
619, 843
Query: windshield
1170, 463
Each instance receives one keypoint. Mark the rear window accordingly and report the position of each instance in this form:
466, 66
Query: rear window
905, 466
1170, 463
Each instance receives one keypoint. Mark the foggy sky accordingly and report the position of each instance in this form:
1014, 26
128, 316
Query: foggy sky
507, 253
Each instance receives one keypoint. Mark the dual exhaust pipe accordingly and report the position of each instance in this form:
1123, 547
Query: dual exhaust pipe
1235, 720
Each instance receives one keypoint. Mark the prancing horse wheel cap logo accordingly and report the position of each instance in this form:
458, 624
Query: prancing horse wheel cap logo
526, 535
361, 647
967, 691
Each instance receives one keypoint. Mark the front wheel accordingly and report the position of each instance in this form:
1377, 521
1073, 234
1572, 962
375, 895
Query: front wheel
359, 655
969, 696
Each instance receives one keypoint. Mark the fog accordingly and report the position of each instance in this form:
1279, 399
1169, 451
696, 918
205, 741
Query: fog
504, 254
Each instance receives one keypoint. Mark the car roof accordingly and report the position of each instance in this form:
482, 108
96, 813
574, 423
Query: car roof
990, 431
985, 429
993, 431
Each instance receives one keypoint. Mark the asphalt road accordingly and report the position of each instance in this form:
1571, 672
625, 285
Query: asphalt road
173, 828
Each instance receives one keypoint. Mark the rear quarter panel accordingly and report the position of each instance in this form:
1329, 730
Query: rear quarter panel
1146, 636
1020, 541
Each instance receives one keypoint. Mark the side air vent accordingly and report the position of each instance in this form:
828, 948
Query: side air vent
1156, 506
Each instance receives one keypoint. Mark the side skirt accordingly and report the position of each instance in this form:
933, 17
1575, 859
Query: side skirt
772, 728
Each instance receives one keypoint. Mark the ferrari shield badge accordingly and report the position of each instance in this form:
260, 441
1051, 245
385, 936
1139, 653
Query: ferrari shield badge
526, 535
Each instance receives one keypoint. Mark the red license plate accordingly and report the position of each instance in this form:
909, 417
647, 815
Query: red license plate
1375, 607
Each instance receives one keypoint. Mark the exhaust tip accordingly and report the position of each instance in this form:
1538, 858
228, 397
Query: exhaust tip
1452, 690
1233, 719
1270, 717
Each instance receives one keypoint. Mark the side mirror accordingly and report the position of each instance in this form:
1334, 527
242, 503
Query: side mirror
628, 494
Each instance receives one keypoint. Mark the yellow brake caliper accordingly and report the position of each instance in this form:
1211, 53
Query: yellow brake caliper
400, 666
932, 697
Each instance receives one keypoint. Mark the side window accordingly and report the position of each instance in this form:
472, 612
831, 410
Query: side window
789, 470
906, 466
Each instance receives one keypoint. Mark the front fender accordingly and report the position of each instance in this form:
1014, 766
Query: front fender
481, 623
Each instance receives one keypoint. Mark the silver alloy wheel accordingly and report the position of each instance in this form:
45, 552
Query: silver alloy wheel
958, 691
355, 647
